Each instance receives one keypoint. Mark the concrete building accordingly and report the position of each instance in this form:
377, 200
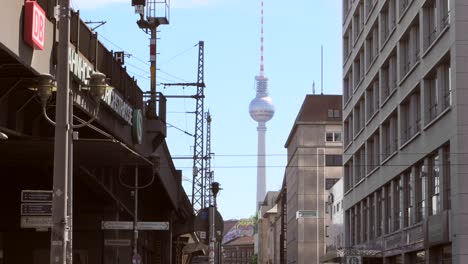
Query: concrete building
335, 231
404, 97
267, 228
314, 165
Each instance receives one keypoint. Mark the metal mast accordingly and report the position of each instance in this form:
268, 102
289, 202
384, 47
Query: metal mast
198, 187
209, 175
198, 184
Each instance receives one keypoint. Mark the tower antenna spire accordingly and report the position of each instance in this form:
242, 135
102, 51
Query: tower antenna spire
262, 66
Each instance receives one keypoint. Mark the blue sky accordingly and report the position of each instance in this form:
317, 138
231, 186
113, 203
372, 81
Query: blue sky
294, 33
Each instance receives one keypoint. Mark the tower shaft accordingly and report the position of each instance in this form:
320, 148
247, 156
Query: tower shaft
261, 163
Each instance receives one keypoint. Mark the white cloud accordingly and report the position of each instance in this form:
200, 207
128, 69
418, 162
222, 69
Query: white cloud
95, 4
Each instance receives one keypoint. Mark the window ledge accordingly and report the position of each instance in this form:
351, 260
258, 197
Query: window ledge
382, 46
347, 146
388, 158
358, 133
359, 182
372, 117
369, 12
439, 116
358, 84
408, 73
407, 142
358, 36
347, 101
434, 42
402, 13
372, 63
388, 97
372, 171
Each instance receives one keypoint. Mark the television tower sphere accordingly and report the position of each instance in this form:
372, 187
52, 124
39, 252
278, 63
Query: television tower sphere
261, 109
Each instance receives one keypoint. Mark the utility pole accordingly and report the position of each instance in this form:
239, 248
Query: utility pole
59, 233
212, 223
136, 258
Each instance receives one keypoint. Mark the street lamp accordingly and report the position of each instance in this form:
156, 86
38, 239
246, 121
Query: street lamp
3, 136
45, 86
214, 189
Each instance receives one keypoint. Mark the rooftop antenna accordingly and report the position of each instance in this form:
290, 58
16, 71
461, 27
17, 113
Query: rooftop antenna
313, 87
321, 70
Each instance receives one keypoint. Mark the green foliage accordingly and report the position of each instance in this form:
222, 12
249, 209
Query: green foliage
254, 259
255, 220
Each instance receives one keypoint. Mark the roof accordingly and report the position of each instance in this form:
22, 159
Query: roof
228, 225
241, 241
315, 109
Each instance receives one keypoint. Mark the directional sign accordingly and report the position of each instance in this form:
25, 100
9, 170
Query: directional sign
36, 196
127, 225
36, 221
117, 242
153, 225
117, 225
36, 209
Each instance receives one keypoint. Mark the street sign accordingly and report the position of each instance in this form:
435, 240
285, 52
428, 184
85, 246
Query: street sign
36, 209
117, 242
36, 221
36, 196
117, 225
127, 225
153, 225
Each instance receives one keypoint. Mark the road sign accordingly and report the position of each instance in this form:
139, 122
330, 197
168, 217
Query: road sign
153, 225
127, 225
117, 242
36, 209
117, 225
36, 196
36, 221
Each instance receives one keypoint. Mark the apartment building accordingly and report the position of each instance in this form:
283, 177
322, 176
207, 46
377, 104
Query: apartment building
405, 77
314, 165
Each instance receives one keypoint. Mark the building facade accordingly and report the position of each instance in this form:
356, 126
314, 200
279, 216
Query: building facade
335, 231
404, 83
314, 149
267, 228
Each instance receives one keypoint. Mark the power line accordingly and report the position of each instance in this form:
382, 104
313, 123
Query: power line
179, 54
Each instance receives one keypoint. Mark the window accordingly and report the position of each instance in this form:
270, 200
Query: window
372, 46
346, 6
333, 136
447, 176
359, 116
369, 6
397, 199
409, 49
435, 175
387, 20
380, 220
437, 91
359, 165
333, 160
348, 130
410, 116
358, 69
357, 219
420, 191
358, 21
372, 99
329, 182
347, 43
388, 208
389, 136
388, 78
373, 149
348, 175
404, 5
348, 85
436, 17
371, 216
333, 114
365, 213
409, 198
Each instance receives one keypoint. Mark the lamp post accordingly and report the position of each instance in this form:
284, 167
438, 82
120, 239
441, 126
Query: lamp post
214, 189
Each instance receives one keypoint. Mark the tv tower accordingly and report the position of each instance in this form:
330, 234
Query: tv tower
261, 109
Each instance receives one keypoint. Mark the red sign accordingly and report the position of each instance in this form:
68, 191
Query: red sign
34, 25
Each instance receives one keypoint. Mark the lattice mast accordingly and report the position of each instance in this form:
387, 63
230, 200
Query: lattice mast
209, 174
199, 186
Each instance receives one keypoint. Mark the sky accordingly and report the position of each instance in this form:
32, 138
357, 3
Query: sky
294, 33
